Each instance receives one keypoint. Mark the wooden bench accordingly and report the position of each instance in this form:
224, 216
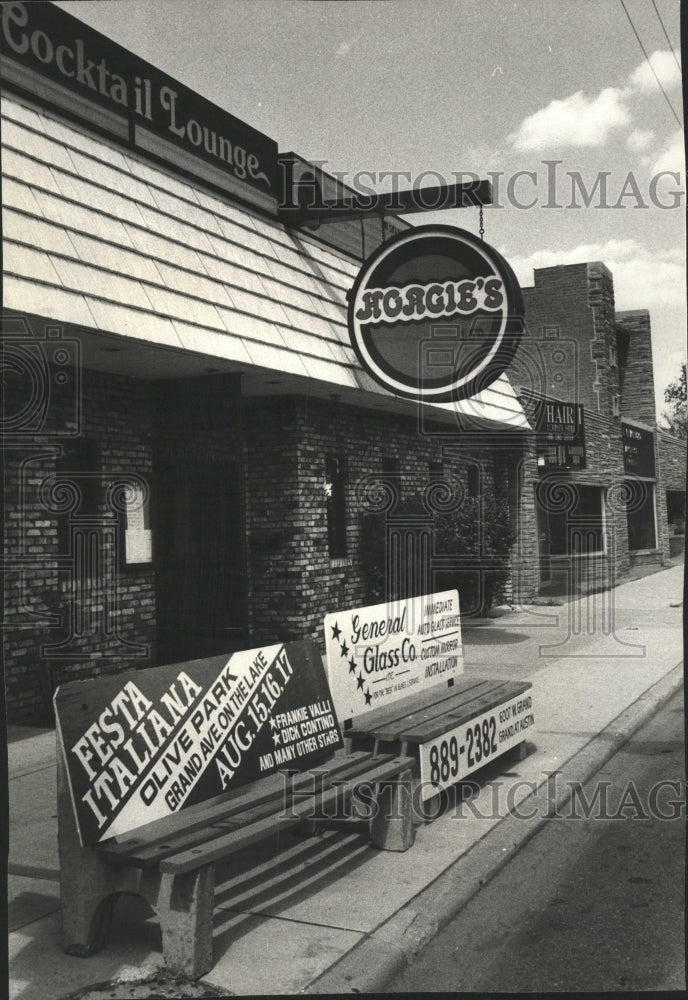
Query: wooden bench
396, 676
170, 860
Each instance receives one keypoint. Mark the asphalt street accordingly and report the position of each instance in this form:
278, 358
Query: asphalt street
595, 901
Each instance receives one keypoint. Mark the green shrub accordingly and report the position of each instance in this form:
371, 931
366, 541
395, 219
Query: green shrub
478, 531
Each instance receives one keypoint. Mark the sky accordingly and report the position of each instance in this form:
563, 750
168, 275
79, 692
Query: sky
553, 100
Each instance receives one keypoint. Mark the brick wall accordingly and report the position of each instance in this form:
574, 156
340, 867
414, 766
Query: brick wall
568, 348
604, 343
604, 470
577, 348
66, 618
671, 479
525, 576
108, 624
287, 441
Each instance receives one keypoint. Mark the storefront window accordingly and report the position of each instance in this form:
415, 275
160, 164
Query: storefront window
578, 530
676, 511
640, 514
335, 493
78, 470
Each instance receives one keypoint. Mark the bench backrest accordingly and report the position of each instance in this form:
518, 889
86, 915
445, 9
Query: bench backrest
379, 654
143, 744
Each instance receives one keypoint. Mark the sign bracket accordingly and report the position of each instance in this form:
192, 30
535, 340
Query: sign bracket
313, 213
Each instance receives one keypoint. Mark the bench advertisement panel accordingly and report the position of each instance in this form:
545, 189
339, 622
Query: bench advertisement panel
382, 653
146, 744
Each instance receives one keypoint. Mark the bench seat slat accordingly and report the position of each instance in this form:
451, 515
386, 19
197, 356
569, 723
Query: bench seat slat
146, 854
395, 729
429, 729
150, 854
265, 790
234, 840
401, 709
433, 719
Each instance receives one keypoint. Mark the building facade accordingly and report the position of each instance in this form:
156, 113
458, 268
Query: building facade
608, 483
194, 460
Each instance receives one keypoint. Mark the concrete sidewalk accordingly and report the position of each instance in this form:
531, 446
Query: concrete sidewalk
332, 914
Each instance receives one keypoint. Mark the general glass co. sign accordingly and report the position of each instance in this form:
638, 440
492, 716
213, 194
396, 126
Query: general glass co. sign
435, 314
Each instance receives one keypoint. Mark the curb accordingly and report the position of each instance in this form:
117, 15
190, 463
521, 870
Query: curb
393, 946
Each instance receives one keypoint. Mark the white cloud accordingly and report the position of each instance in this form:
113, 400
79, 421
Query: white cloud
664, 65
343, 50
579, 120
574, 121
672, 157
643, 278
639, 139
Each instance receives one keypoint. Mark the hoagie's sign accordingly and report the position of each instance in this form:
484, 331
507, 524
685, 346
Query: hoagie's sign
433, 301
435, 314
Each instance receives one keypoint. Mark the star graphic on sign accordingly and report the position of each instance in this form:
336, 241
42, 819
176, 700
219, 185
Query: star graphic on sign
352, 666
368, 697
273, 722
361, 682
276, 738
336, 631
345, 649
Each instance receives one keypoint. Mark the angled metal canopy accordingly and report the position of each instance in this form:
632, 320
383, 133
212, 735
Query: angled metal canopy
313, 211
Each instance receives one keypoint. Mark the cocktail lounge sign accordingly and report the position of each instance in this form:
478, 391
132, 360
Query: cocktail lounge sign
58, 46
435, 314
147, 744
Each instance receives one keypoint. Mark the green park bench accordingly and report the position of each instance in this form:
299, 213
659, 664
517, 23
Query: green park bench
396, 676
163, 773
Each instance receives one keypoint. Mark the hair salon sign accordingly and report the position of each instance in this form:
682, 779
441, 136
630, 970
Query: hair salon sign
435, 314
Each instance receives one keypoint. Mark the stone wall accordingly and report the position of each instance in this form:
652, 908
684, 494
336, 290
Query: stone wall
672, 459
635, 366
577, 348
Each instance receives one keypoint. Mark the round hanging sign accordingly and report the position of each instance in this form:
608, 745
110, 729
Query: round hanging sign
435, 314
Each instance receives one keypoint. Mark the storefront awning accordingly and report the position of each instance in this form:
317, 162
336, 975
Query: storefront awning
116, 247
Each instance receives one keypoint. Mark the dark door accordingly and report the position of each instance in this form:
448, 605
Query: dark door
200, 580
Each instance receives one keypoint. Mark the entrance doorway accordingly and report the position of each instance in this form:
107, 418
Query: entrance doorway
200, 563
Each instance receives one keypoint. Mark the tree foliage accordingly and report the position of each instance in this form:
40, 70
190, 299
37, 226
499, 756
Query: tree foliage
675, 417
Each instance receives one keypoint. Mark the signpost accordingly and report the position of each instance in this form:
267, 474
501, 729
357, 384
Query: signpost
140, 746
312, 209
